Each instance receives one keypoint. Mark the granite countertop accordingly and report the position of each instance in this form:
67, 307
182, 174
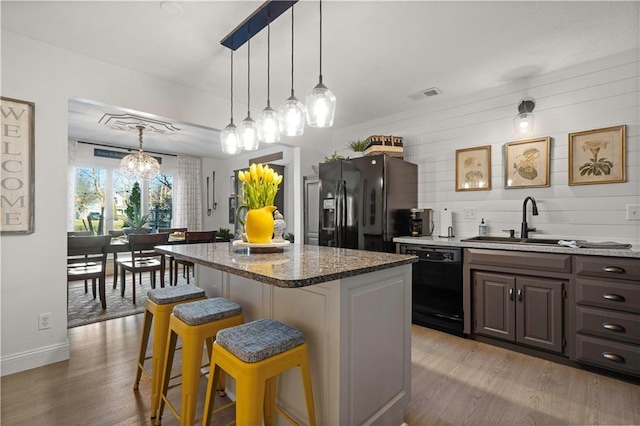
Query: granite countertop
295, 266
633, 252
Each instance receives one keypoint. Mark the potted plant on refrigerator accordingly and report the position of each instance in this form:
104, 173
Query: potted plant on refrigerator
358, 147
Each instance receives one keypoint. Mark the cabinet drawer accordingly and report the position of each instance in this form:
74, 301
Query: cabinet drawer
609, 324
608, 267
619, 295
521, 260
624, 357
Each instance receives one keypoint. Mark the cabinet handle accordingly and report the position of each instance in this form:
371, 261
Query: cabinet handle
614, 297
511, 294
613, 357
614, 269
614, 327
519, 295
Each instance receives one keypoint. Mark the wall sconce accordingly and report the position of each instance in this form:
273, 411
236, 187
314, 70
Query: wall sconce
523, 122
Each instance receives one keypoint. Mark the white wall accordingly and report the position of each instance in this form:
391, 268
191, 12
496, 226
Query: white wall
598, 94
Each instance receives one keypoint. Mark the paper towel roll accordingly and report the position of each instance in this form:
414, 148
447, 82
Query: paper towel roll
446, 221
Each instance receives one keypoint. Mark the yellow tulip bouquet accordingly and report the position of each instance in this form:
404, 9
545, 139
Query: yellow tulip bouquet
260, 186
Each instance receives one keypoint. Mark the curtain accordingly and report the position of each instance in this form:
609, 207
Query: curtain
187, 194
72, 161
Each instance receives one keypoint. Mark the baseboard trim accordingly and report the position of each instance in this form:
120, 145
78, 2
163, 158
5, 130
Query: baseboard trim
34, 358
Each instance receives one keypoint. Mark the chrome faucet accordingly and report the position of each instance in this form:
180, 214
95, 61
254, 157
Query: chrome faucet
524, 230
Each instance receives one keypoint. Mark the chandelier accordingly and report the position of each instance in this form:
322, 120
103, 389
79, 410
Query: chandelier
139, 165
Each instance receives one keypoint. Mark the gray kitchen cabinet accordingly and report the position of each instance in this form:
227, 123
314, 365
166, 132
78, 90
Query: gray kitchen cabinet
607, 313
521, 309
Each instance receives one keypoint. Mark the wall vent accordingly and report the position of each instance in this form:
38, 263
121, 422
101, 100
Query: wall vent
426, 93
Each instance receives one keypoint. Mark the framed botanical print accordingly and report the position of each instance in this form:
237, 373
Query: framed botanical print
527, 163
473, 169
597, 156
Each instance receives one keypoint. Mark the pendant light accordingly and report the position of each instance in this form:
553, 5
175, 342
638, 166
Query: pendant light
229, 135
292, 113
248, 131
268, 120
139, 165
321, 103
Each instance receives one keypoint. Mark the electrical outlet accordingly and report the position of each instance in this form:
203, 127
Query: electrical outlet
44, 321
633, 211
469, 212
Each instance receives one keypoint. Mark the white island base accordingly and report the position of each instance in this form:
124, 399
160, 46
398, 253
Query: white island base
359, 334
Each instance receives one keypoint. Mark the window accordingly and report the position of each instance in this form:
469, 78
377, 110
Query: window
90, 199
101, 196
160, 201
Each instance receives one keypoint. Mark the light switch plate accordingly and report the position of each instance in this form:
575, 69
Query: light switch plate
469, 212
633, 211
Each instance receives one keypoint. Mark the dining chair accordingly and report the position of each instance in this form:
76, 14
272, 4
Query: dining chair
143, 259
171, 259
81, 234
192, 237
172, 230
87, 260
115, 233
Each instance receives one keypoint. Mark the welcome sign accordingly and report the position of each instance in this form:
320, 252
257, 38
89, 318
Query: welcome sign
17, 166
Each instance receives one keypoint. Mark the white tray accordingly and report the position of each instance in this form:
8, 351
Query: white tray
272, 244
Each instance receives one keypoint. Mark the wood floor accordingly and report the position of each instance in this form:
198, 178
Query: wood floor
454, 382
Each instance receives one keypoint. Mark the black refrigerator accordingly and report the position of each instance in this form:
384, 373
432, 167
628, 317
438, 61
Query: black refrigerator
365, 202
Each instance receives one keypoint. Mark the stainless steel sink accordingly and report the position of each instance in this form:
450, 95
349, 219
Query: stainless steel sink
513, 240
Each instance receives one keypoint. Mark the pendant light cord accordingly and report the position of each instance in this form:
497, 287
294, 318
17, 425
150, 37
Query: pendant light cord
292, 32
249, 78
320, 41
231, 86
269, 64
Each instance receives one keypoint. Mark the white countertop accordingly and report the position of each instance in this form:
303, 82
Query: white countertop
633, 252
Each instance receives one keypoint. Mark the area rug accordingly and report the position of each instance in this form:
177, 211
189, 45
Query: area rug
83, 309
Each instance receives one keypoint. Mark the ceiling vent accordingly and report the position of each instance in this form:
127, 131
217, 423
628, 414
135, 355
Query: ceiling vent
426, 93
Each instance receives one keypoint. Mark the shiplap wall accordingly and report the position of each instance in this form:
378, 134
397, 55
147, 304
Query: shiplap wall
601, 93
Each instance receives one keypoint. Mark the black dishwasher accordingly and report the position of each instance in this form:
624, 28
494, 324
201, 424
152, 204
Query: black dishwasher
437, 287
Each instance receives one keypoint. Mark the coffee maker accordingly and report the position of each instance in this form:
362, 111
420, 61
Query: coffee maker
420, 223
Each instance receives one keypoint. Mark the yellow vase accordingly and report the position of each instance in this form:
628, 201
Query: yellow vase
259, 225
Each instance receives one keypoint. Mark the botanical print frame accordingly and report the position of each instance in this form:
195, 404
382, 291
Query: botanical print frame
473, 169
17, 175
597, 156
526, 163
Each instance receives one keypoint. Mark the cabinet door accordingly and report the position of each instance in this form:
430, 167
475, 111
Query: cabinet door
539, 313
494, 305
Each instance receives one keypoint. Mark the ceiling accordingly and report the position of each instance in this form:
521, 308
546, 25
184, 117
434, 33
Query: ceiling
376, 53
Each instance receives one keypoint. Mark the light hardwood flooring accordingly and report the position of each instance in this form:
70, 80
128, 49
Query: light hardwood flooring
454, 382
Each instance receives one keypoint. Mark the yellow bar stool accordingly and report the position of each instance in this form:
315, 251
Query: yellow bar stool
157, 310
254, 354
196, 323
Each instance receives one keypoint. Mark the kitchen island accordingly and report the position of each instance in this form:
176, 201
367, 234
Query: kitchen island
354, 308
